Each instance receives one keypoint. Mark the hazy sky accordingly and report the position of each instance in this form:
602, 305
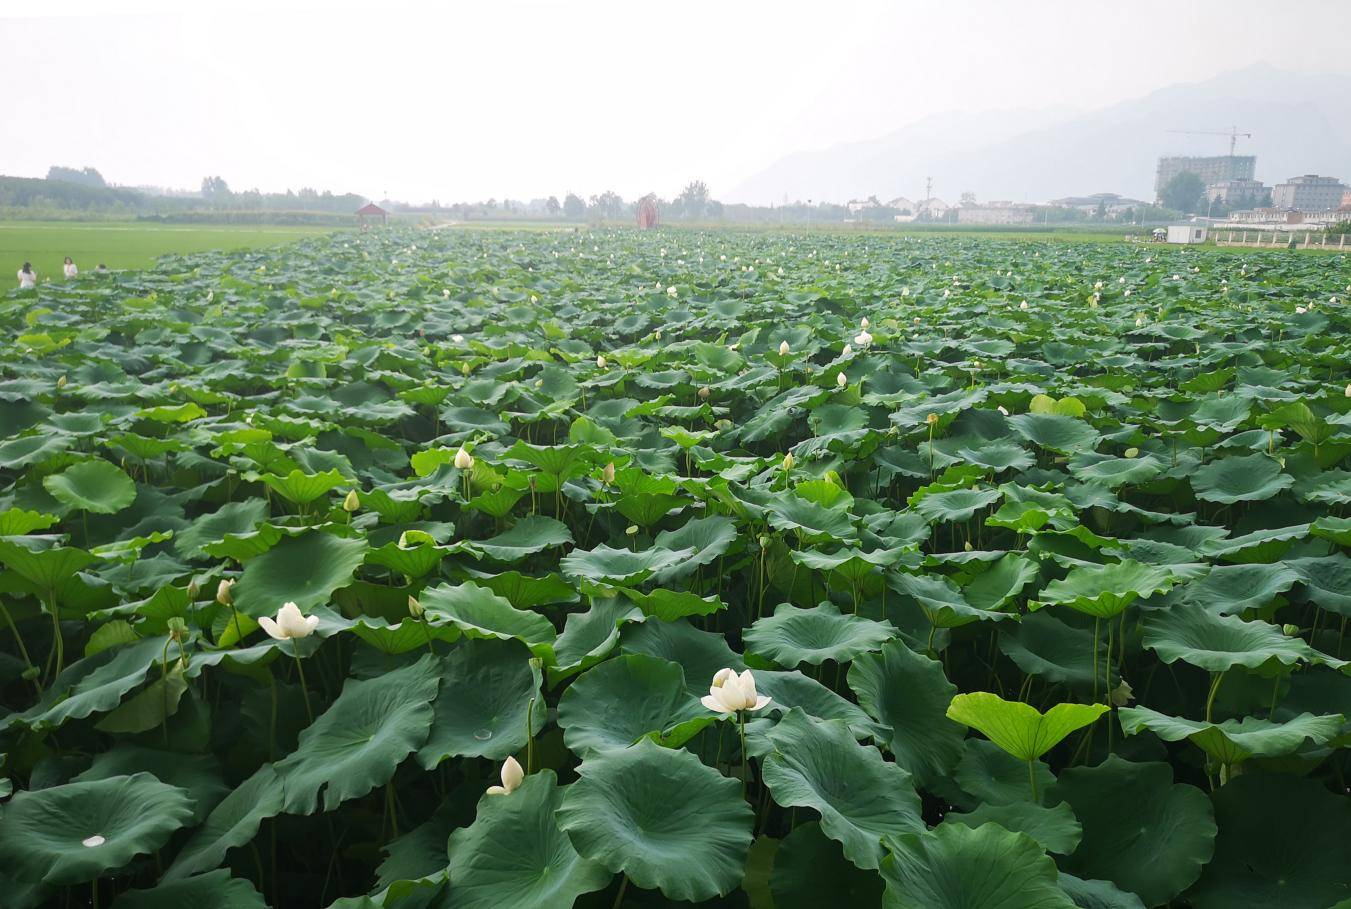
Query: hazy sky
504, 98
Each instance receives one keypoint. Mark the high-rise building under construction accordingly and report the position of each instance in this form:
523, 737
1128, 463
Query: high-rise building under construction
1211, 170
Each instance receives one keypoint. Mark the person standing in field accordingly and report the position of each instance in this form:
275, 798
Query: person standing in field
69, 268
28, 278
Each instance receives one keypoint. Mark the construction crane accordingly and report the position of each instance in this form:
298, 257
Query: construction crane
1232, 132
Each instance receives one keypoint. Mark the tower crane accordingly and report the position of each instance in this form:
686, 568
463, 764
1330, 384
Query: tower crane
1232, 132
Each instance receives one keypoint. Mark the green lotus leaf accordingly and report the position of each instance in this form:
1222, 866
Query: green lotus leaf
302, 488
1055, 829
1057, 432
614, 704
304, 570
1104, 591
530, 535
619, 566
213, 890
484, 702
79, 831
410, 561
909, 695
1328, 579
233, 822
998, 455
1142, 831
1097, 894
589, 636
811, 871
1234, 741
662, 817
792, 512
792, 636
1021, 729
955, 504
708, 538
514, 854
419, 854
941, 601
96, 486
1043, 645
45, 565
669, 605
1195, 635
525, 592
1284, 843
1115, 472
807, 768
357, 743
1247, 478
16, 454
479, 612
935, 870
1232, 589
989, 774
1000, 583
16, 522
95, 684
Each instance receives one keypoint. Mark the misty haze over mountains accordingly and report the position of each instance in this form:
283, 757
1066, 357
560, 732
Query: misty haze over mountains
1300, 124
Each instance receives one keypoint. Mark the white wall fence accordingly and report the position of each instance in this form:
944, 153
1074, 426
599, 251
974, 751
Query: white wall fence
1311, 239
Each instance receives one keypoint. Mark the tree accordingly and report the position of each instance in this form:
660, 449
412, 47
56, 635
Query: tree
552, 206
693, 199
574, 209
84, 176
1183, 192
215, 188
608, 204
968, 199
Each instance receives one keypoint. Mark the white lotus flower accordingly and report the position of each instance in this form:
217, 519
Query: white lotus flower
463, 459
863, 323
512, 776
607, 474
290, 623
848, 351
600, 362
415, 607
1022, 305
458, 339
788, 461
671, 291
223, 592
841, 380
783, 348
1348, 391
863, 339
1300, 310
730, 693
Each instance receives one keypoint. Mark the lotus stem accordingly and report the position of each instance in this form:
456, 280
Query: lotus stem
1214, 690
1032, 779
623, 888
530, 737
58, 651
304, 689
745, 758
23, 648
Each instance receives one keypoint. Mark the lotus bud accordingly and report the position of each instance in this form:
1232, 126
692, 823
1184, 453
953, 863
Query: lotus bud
223, 592
1348, 391
600, 362
61, 382
848, 351
783, 348
704, 393
1022, 305
193, 589
178, 629
841, 380
967, 546
631, 530
607, 475
1131, 452
415, 609
788, 461
290, 624
512, 777
1122, 694
731, 693
863, 323
463, 459
863, 339
352, 502
917, 320
931, 419
1290, 631
1300, 310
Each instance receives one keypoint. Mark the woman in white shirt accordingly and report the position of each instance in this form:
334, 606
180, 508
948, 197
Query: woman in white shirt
69, 267
28, 278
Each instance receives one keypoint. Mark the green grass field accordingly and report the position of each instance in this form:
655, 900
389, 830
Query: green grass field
124, 244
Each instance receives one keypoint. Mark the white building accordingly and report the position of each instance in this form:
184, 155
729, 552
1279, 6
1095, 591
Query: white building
1308, 192
996, 213
1186, 233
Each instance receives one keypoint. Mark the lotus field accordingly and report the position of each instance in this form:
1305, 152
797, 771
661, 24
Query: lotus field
528, 570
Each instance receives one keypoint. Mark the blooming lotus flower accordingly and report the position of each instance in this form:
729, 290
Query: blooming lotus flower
1300, 310
458, 339
352, 502
463, 459
783, 348
841, 380
223, 592
290, 623
512, 776
863, 339
730, 693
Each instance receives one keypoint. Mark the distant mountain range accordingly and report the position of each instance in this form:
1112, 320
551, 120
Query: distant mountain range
1300, 124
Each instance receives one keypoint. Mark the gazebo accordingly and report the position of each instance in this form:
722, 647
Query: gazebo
369, 214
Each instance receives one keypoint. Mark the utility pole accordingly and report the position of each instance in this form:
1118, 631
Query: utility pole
928, 196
